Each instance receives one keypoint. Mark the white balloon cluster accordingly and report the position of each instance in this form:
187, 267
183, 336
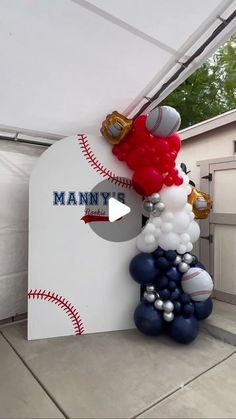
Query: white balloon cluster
175, 228
153, 297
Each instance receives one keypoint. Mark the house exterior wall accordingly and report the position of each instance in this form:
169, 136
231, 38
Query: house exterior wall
209, 145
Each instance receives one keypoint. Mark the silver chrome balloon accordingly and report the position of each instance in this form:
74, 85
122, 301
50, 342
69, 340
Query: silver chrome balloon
168, 317
150, 297
168, 306
160, 206
158, 304
145, 294
148, 206
187, 258
154, 198
156, 213
150, 288
183, 267
177, 260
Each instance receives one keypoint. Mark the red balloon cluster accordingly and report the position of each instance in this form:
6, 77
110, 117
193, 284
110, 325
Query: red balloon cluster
151, 158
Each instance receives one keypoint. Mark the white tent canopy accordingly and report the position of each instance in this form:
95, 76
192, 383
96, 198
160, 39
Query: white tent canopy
65, 64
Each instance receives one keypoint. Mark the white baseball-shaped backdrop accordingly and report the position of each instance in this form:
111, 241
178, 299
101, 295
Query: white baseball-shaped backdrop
78, 281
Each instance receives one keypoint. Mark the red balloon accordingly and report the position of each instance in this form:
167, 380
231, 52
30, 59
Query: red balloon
132, 161
161, 146
115, 150
174, 142
178, 180
124, 146
140, 134
164, 167
173, 155
147, 180
121, 156
173, 172
139, 123
169, 180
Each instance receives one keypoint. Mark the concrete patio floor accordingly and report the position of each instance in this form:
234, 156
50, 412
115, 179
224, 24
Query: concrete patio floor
115, 375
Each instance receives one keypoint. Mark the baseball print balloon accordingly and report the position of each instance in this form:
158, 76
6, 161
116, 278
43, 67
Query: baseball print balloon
197, 283
163, 121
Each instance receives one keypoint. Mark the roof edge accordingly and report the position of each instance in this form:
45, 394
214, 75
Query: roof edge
208, 125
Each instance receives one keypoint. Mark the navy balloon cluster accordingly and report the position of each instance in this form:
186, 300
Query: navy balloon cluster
164, 305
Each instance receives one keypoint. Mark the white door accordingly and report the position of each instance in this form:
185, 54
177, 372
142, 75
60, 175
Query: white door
222, 229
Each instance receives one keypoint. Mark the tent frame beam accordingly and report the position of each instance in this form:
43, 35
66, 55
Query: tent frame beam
184, 65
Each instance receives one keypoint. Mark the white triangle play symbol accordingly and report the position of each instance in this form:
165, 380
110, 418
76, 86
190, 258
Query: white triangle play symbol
116, 209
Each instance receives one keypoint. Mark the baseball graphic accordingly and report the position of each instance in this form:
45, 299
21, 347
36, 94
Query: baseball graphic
197, 283
98, 166
63, 304
163, 121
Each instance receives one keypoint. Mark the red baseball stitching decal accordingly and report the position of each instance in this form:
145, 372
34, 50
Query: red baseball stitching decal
96, 165
61, 302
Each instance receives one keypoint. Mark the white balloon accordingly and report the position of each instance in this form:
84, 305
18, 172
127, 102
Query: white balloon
188, 207
149, 238
156, 221
181, 249
181, 222
174, 197
167, 216
185, 238
169, 241
149, 228
189, 247
194, 231
157, 232
185, 178
191, 216
166, 227
188, 189
145, 247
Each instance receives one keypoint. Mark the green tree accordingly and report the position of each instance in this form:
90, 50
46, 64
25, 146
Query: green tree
210, 91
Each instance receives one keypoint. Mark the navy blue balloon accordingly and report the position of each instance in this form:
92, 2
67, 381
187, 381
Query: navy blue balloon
162, 283
173, 274
170, 255
171, 285
148, 320
184, 330
142, 268
200, 265
177, 307
164, 294
203, 309
162, 263
184, 298
158, 252
188, 310
195, 260
175, 294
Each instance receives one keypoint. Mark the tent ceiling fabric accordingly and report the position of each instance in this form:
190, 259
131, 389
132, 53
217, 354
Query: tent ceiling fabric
66, 64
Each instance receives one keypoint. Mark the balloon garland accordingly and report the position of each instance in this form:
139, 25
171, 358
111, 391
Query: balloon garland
176, 287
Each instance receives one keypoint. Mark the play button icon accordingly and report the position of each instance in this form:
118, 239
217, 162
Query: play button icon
112, 212
117, 210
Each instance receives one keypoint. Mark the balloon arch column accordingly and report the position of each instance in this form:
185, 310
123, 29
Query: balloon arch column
176, 287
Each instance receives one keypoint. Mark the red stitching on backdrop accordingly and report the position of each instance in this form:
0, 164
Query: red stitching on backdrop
64, 304
96, 165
